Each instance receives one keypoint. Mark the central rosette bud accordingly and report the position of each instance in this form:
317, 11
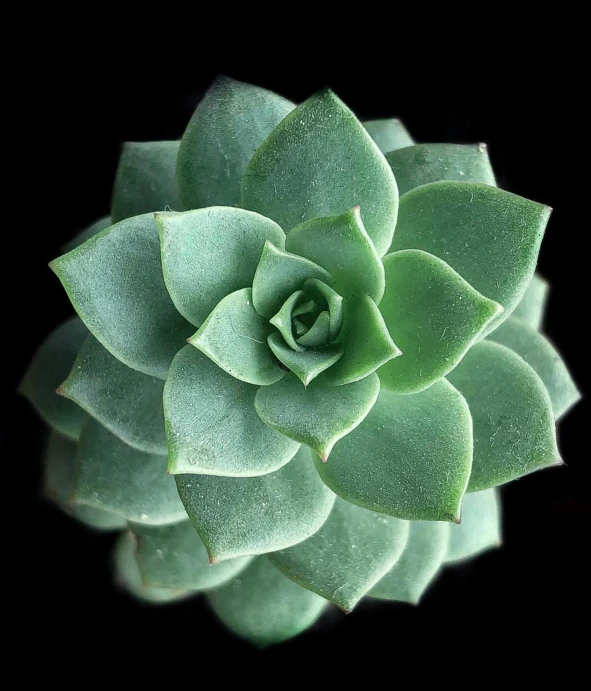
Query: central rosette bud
308, 326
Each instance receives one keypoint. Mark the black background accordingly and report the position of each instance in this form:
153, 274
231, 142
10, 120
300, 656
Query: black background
527, 603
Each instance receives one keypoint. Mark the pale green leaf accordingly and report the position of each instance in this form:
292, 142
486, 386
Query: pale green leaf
278, 275
305, 365
514, 432
434, 317
59, 483
424, 163
543, 357
145, 180
128, 576
212, 425
264, 607
234, 336
489, 236
115, 283
480, 528
284, 319
127, 402
173, 556
533, 303
410, 458
365, 340
341, 245
231, 121
318, 334
324, 296
419, 564
209, 253
50, 365
114, 477
320, 161
238, 517
87, 233
389, 134
318, 415
347, 556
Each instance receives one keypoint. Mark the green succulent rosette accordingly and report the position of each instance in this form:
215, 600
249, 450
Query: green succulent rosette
307, 353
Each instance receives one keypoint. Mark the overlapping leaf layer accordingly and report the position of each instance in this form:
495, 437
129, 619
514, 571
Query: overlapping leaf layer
364, 364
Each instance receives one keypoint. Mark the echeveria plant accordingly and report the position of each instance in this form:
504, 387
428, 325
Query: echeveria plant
364, 363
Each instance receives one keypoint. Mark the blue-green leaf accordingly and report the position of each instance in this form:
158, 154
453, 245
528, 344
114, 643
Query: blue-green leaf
420, 562
305, 365
434, 317
541, 355
320, 161
145, 180
341, 245
50, 365
234, 336
347, 556
264, 607
212, 425
410, 458
533, 303
389, 134
127, 402
231, 121
238, 517
489, 236
425, 163
115, 283
480, 528
114, 477
514, 432
318, 415
209, 253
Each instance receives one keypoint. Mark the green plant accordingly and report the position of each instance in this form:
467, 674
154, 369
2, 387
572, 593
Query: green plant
348, 393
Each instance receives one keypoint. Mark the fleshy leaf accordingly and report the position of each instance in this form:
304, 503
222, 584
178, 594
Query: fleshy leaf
237, 517
433, 315
341, 245
410, 458
49, 367
283, 320
318, 334
264, 607
278, 275
419, 564
318, 415
389, 134
347, 556
127, 402
489, 236
173, 556
323, 293
234, 336
541, 355
425, 163
145, 180
365, 340
113, 476
87, 233
114, 280
480, 528
514, 431
212, 425
209, 253
533, 303
231, 121
59, 482
306, 365
127, 574
320, 161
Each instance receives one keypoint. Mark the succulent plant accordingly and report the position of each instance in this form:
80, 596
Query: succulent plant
364, 365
